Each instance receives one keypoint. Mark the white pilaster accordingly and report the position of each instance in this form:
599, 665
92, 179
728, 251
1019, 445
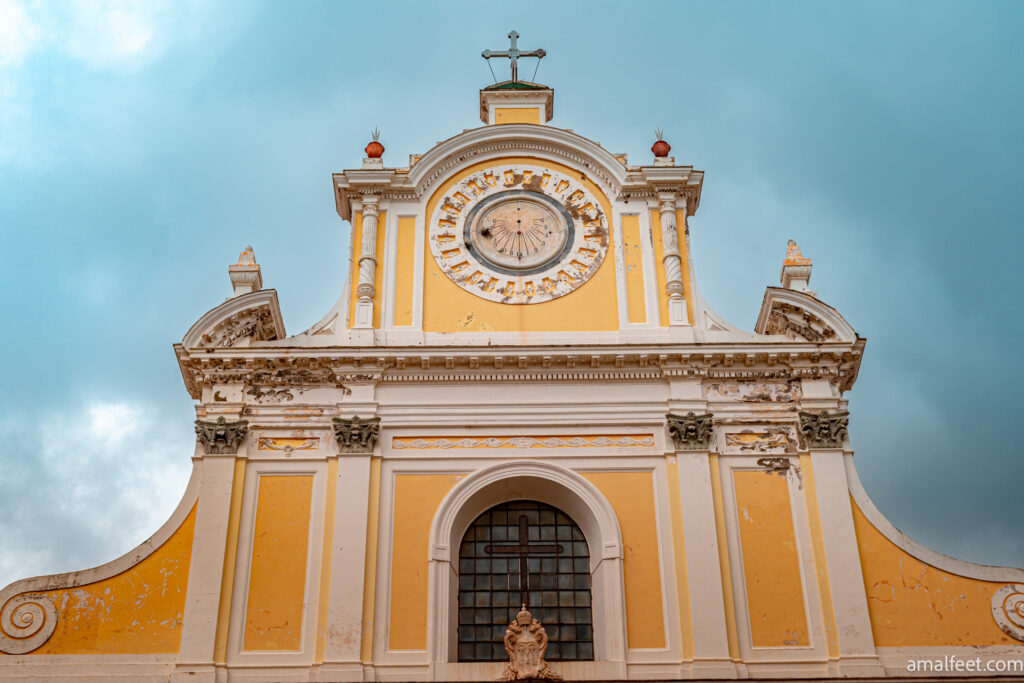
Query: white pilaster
205, 575
846, 580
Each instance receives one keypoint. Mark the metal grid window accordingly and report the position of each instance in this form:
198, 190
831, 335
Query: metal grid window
548, 569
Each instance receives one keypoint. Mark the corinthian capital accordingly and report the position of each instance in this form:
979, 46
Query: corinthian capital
370, 205
355, 435
690, 432
221, 437
824, 429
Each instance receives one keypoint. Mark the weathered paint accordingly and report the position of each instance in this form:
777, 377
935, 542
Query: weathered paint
631, 495
634, 265
277, 573
370, 572
818, 546
506, 441
679, 549
771, 563
325, 560
517, 114
378, 275
723, 556
913, 604
449, 308
404, 267
416, 499
136, 612
230, 558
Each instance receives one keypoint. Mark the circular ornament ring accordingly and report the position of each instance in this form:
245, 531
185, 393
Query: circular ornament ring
518, 234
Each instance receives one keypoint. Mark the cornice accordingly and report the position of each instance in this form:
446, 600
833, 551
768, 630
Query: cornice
339, 366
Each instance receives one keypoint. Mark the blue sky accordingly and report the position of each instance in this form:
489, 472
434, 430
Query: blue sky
143, 145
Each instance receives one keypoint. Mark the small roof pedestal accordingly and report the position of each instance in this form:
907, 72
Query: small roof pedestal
516, 102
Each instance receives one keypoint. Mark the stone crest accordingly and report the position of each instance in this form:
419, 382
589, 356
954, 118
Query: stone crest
824, 429
221, 437
525, 642
690, 432
355, 435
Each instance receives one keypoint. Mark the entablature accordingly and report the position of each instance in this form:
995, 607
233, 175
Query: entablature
269, 366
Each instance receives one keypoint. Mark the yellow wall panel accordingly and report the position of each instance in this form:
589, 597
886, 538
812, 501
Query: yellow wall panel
631, 495
449, 308
517, 114
416, 499
277, 574
135, 612
634, 266
913, 604
404, 267
771, 564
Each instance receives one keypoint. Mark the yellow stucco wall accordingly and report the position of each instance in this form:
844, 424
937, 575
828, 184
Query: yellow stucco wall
416, 499
633, 262
818, 545
679, 548
771, 564
220, 646
138, 611
517, 114
631, 495
404, 265
277, 574
449, 308
914, 604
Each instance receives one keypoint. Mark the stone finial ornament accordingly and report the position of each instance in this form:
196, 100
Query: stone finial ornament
245, 275
525, 642
690, 432
824, 429
796, 270
355, 435
221, 437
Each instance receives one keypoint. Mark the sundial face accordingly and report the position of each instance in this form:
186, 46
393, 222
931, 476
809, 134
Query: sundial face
518, 231
519, 234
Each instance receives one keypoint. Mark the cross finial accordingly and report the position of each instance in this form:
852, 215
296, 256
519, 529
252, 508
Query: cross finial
513, 53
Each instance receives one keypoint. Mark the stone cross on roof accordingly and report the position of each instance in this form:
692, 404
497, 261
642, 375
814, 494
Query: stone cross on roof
513, 53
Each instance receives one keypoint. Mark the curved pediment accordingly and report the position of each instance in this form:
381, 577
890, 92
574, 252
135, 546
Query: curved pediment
239, 321
799, 316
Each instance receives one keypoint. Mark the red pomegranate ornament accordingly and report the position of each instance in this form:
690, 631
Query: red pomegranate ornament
375, 150
660, 148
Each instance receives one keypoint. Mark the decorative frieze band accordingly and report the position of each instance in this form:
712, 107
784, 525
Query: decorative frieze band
221, 437
356, 435
582, 441
824, 429
690, 432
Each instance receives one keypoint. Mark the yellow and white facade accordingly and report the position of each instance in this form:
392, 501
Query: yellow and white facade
708, 468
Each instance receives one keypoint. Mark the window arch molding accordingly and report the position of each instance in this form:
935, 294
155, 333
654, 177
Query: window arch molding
547, 483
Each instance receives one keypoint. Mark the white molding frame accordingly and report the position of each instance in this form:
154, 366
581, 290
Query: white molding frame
815, 653
945, 563
547, 483
237, 656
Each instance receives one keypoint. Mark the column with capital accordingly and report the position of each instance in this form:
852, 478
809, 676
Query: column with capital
365, 289
673, 263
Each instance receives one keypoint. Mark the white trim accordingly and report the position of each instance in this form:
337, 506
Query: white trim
234, 306
946, 563
830, 316
237, 656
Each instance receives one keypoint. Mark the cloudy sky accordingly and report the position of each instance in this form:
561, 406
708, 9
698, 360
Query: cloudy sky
143, 145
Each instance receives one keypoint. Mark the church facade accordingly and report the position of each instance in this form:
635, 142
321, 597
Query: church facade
520, 403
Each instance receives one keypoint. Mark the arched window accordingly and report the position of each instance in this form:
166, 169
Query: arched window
524, 552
